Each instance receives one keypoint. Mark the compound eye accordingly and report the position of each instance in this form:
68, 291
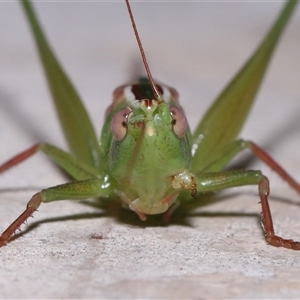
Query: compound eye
119, 122
179, 121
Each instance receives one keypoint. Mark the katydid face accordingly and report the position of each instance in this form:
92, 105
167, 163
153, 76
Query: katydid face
150, 147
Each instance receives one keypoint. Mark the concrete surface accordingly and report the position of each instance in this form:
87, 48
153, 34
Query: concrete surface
213, 251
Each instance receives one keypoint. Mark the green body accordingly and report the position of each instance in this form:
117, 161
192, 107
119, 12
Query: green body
150, 157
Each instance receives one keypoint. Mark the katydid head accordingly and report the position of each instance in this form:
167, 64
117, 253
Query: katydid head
149, 149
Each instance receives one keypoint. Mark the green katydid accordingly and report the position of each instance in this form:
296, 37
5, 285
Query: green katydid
145, 121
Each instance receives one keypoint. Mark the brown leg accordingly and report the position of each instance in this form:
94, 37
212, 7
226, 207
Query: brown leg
32, 206
267, 222
19, 158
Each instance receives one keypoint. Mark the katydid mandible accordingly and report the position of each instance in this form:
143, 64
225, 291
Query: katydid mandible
145, 123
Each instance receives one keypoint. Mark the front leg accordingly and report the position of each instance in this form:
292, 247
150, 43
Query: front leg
78, 190
216, 181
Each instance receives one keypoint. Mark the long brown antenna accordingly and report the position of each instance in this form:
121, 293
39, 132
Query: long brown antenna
153, 86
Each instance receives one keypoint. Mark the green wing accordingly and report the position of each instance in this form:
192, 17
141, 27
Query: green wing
74, 120
225, 118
